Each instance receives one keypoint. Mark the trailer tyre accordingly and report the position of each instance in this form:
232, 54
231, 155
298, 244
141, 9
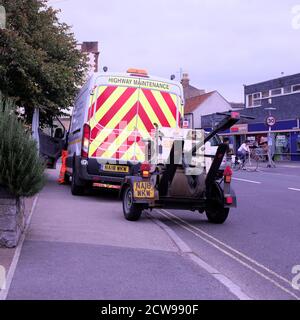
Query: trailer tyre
217, 215
131, 210
215, 212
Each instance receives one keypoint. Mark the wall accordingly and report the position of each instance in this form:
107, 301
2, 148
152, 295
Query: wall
214, 103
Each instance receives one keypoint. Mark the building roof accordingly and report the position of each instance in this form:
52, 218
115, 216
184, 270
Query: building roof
191, 92
193, 103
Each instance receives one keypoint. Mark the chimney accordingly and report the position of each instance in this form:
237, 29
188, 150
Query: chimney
185, 81
91, 48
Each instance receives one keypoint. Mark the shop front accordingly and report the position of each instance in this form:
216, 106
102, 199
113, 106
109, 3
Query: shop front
284, 141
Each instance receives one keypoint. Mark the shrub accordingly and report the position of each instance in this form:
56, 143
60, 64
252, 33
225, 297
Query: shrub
21, 169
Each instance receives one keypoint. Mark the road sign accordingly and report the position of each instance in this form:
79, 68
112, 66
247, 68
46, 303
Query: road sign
271, 121
185, 124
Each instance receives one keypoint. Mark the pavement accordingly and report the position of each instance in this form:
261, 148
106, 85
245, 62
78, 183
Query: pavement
83, 248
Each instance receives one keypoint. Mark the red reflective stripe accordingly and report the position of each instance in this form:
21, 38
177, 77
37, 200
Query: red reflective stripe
113, 110
156, 108
116, 106
145, 119
104, 96
125, 120
170, 103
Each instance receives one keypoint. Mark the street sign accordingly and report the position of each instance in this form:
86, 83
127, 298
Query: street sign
271, 121
185, 124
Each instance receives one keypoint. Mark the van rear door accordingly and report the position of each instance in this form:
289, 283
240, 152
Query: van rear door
124, 110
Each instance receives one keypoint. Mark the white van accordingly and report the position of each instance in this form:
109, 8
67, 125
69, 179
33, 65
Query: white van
112, 117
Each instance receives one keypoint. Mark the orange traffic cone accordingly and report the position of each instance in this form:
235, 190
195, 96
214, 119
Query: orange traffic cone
63, 168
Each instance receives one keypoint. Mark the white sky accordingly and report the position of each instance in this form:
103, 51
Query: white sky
222, 44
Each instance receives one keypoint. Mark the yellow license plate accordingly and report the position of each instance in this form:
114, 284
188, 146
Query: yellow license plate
116, 168
143, 189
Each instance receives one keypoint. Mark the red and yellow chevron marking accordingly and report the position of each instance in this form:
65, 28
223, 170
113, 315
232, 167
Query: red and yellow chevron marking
120, 117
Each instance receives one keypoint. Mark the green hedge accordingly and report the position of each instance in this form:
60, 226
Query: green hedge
21, 169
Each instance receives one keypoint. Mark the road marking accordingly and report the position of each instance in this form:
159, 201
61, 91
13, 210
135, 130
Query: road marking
184, 248
13, 266
189, 228
245, 180
289, 166
294, 189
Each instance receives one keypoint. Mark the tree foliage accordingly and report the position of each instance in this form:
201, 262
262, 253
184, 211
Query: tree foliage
40, 64
21, 169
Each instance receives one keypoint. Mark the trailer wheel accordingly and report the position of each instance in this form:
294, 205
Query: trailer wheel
131, 210
217, 215
215, 212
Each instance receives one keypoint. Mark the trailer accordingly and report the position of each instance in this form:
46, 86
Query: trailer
175, 175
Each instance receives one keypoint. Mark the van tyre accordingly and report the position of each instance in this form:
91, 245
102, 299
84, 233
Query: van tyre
67, 179
131, 210
76, 188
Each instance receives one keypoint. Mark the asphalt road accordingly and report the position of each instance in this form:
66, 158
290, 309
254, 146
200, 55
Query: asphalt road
259, 244
83, 248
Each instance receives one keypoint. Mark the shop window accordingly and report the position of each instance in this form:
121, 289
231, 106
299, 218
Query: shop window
282, 146
298, 143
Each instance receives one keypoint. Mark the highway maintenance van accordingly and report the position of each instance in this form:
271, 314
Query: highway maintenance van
113, 116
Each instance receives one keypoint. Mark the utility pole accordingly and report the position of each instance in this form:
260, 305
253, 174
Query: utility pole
270, 122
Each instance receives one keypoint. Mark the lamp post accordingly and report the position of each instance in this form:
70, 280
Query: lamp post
270, 122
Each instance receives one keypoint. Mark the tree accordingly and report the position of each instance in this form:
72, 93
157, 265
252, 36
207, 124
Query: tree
40, 65
21, 168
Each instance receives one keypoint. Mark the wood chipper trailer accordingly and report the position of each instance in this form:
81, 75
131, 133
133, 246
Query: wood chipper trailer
176, 176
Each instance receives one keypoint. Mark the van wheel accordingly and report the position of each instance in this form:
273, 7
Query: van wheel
67, 178
76, 188
132, 211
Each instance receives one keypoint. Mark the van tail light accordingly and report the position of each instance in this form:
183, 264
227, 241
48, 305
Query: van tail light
145, 170
227, 174
85, 141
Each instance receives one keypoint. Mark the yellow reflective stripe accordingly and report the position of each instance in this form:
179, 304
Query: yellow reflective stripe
106, 106
142, 129
165, 109
148, 109
134, 150
177, 103
117, 143
114, 121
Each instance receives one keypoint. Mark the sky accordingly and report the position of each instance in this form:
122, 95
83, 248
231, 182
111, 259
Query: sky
221, 44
